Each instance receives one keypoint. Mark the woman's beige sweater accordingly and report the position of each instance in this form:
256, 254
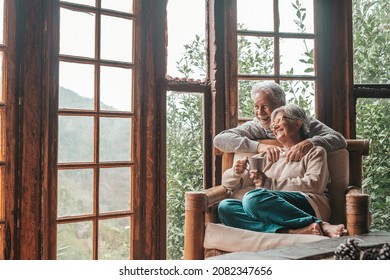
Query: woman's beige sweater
309, 176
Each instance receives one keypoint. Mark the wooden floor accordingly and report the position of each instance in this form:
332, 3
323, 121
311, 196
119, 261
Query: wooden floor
323, 249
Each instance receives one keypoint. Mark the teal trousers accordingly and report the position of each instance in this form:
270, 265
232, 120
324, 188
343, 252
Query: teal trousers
267, 211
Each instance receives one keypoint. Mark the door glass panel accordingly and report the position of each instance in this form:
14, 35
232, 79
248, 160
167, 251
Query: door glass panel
255, 15
116, 39
74, 241
75, 139
125, 6
297, 56
114, 239
75, 192
77, 33
95, 129
114, 189
255, 55
116, 96
296, 16
76, 86
115, 139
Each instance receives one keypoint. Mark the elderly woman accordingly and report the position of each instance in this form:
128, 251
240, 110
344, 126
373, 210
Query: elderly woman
289, 196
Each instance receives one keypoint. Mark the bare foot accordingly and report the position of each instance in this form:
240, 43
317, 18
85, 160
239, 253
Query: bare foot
333, 231
313, 228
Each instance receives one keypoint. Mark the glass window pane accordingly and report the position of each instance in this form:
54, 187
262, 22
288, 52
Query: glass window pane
300, 93
372, 123
184, 161
116, 39
249, 19
115, 139
76, 86
2, 93
114, 189
75, 139
255, 55
297, 57
245, 100
296, 16
77, 33
1, 21
74, 241
114, 239
116, 89
183, 43
82, 2
125, 6
75, 192
371, 42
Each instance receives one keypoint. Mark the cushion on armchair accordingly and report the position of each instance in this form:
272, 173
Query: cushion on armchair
229, 239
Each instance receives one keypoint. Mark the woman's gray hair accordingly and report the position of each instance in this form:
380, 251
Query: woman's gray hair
272, 88
294, 112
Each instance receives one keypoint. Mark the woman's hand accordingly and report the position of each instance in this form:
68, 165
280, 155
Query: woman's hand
240, 166
258, 178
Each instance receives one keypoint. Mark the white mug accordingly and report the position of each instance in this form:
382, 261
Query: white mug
256, 162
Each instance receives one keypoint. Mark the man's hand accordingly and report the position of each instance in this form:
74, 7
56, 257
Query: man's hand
297, 151
273, 152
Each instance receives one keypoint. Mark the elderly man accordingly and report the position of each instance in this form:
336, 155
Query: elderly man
267, 96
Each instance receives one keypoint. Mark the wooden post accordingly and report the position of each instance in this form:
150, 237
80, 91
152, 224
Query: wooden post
195, 207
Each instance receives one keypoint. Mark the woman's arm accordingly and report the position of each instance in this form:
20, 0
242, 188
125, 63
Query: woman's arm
315, 175
237, 176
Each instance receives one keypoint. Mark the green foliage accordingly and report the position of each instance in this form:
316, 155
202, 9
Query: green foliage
194, 58
373, 123
371, 22
184, 162
371, 25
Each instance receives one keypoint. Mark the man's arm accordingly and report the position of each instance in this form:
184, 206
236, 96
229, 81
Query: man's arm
242, 138
324, 136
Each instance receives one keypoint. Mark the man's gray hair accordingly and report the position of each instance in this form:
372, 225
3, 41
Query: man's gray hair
272, 88
294, 112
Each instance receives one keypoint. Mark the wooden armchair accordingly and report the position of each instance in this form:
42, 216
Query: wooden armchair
347, 203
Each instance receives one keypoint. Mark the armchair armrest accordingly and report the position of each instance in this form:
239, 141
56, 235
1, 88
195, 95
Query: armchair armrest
358, 216
196, 205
